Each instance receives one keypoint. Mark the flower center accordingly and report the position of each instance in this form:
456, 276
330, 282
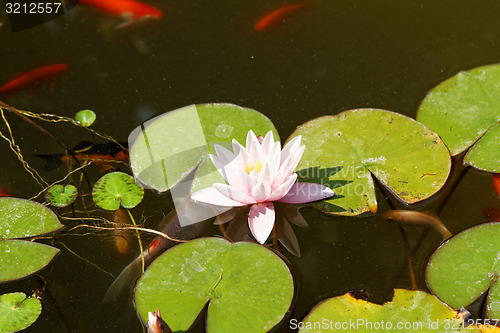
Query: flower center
250, 167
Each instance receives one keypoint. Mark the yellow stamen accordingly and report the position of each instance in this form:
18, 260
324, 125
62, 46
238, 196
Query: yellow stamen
250, 167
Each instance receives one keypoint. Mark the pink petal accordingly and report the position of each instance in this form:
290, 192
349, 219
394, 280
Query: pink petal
251, 139
261, 221
265, 175
296, 156
211, 195
306, 192
224, 153
261, 191
283, 173
243, 156
267, 143
234, 194
290, 147
283, 189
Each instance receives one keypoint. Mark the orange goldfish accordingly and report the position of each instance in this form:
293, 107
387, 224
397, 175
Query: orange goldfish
279, 15
129, 9
33, 78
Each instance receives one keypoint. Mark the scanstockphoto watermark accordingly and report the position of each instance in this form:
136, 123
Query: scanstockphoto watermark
364, 325
351, 180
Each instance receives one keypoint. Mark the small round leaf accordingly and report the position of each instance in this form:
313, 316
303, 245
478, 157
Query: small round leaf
85, 117
248, 287
117, 188
61, 196
17, 311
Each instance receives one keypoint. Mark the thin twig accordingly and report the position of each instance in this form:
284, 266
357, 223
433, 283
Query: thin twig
152, 231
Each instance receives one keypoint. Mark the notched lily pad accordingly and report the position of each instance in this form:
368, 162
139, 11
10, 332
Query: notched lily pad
409, 311
167, 148
344, 151
18, 311
117, 188
466, 266
20, 218
61, 196
248, 287
464, 111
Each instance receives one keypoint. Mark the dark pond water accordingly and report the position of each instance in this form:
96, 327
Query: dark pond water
337, 56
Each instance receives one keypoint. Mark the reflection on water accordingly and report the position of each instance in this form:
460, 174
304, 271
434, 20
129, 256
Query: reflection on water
336, 56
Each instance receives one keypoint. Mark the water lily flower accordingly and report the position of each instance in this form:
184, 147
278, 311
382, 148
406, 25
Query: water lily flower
257, 175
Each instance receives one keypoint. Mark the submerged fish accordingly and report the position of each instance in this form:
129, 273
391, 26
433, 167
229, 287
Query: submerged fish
3, 193
33, 78
492, 213
410, 217
103, 154
278, 16
123, 237
130, 10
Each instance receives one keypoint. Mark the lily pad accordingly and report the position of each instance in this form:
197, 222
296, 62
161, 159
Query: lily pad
21, 258
409, 311
17, 311
117, 188
466, 266
20, 218
61, 196
85, 117
464, 111
167, 148
248, 287
344, 151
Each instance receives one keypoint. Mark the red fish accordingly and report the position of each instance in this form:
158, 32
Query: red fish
492, 213
130, 9
279, 15
3, 193
496, 182
33, 78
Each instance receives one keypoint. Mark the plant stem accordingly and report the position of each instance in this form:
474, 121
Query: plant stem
138, 239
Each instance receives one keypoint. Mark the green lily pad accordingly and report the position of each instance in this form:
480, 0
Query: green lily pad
17, 311
61, 196
409, 311
464, 109
248, 287
117, 188
344, 151
465, 266
21, 258
85, 117
175, 143
20, 218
